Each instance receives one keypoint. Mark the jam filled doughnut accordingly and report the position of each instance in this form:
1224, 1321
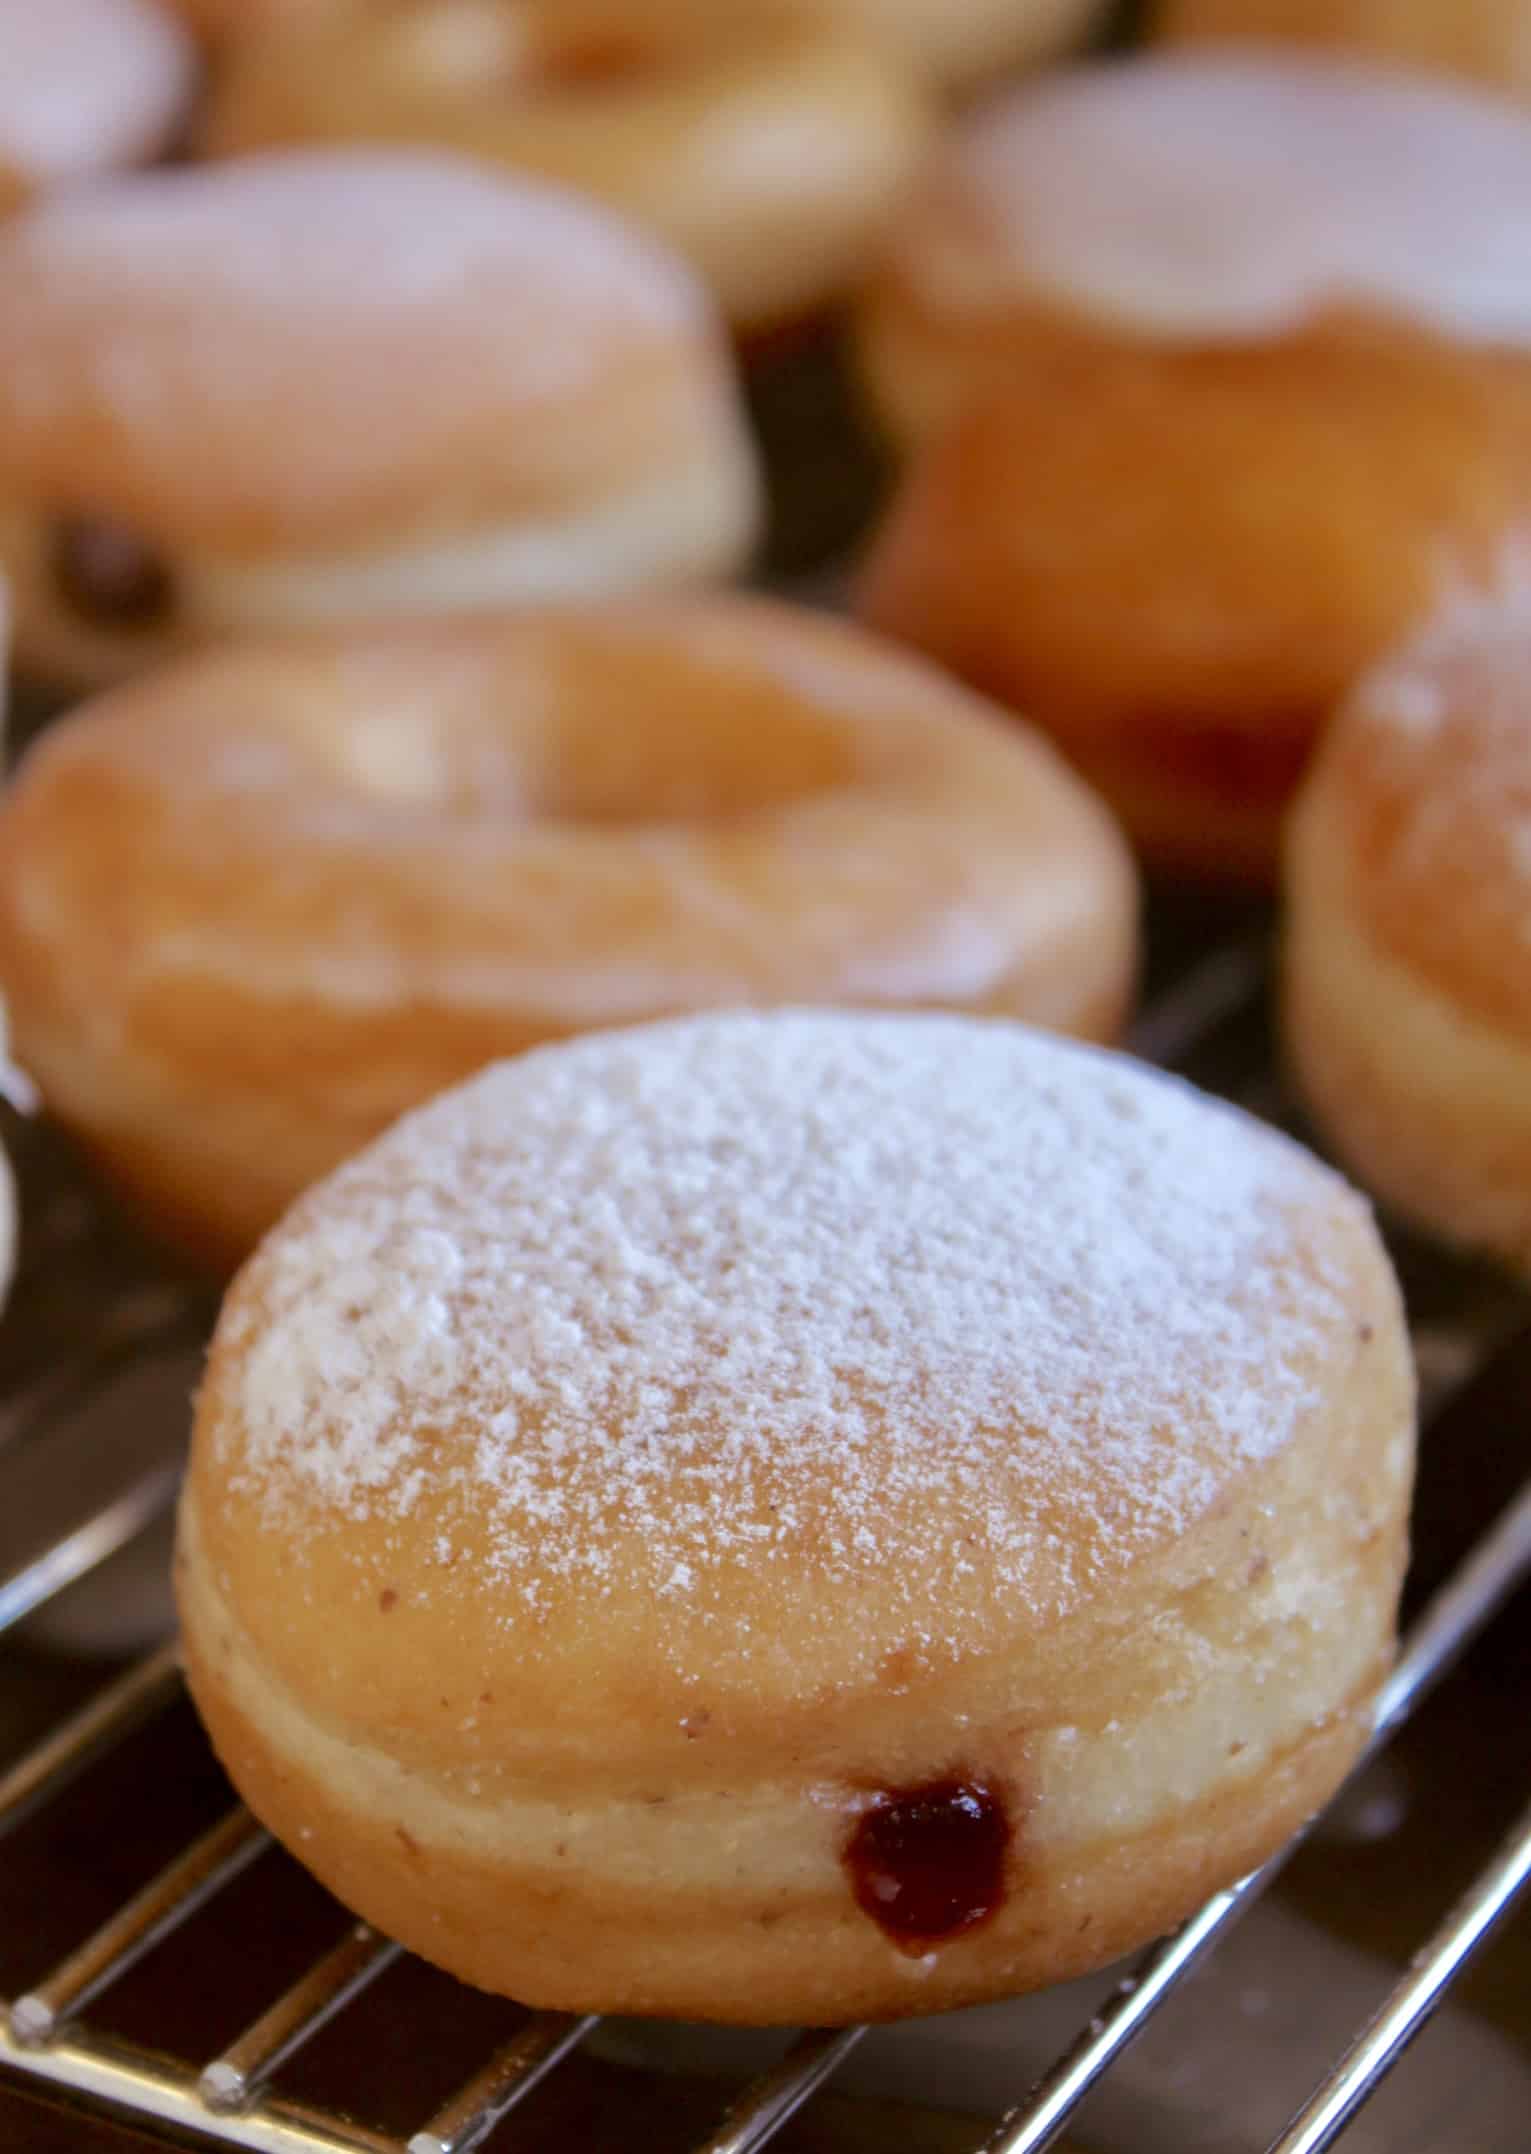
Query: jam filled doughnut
1487, 40
326, 385
254, 907
1178, 562
1221, 198
86, 86
799, 1517
1408, 961
767, 150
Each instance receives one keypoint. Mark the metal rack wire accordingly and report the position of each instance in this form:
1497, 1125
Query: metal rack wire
46, 2033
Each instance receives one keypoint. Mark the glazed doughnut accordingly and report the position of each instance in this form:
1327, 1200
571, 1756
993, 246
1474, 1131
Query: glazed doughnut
963, 43
768, 151
799, 1517
1178, 562
1408, 967
86, 86
253, 908
1487, 40
224, 23
326, 385
1219, 198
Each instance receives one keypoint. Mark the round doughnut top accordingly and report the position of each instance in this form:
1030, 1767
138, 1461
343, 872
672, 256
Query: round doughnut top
217, 353
86, 85
1232, 194
1430, 768
769, 1344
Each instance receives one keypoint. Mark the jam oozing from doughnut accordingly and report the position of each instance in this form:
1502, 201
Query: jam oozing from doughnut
927, 1863
110, 575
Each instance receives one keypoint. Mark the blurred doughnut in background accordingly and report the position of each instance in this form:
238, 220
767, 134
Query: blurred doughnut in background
1177, 562
963, 44
323, 385
86, 86
1408, 967
1487, 40
1191, 199
768, 149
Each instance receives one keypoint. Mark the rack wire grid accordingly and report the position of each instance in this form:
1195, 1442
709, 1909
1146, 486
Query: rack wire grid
63, 1517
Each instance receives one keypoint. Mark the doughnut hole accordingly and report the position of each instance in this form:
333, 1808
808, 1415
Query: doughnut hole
544, 756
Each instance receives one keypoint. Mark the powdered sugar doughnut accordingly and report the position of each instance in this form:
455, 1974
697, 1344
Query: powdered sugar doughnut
1408, 958
799, 1517
1201, 198
254, 907
85, 86
1488, 41
329, 385
767, 149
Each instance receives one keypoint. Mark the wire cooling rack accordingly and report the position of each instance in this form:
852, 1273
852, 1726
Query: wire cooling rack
91, 1420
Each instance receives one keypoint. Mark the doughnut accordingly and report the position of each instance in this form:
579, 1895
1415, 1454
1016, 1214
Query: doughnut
1178, 562
1487, 40
86, 86
961, 44
325, 385
768, 151
1408, 961
799, 1516
255, 906
1199, 198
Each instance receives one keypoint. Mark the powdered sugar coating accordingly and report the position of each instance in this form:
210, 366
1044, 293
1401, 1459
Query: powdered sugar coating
87, 84
850, 1292
217, 352
1233, 194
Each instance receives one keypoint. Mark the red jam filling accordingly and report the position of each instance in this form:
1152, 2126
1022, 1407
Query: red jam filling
927, 1863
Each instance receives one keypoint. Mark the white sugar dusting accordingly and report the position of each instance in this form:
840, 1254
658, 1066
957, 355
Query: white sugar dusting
719, 1290
1226, 195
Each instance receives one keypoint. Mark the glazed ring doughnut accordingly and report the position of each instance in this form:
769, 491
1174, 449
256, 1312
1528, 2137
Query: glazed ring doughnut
768, 152
799, 1517
1200, 199
1487, 40
86, 86
1178, 563
253, 908
1408, 971
227, 406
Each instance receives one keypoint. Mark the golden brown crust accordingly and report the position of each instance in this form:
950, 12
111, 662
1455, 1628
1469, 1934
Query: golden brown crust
254, 907
1408, 981
767, 151
495, 1738
1177, 562
1486, 40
